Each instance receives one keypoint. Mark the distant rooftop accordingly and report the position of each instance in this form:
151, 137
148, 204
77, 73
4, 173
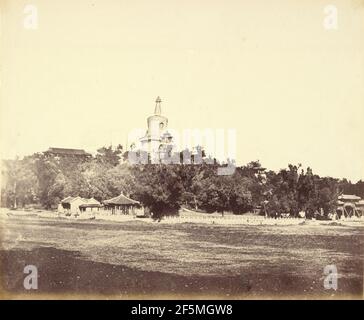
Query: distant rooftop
67, 151
349, 197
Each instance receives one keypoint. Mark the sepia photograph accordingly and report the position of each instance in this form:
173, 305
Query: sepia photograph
182, 150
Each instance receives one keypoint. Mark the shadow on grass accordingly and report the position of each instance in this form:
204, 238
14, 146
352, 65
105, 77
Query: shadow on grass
62, 271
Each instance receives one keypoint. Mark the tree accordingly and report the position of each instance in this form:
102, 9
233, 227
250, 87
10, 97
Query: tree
109, 156
20, 185
158, 187
163, 188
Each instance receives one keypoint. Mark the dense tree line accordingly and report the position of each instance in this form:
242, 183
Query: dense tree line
43, 180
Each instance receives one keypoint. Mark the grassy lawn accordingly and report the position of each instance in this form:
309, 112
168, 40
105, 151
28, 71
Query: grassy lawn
153, 260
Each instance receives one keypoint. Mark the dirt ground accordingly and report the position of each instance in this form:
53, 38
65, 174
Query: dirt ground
152, 260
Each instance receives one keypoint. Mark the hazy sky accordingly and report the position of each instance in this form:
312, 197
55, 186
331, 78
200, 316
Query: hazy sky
92, 69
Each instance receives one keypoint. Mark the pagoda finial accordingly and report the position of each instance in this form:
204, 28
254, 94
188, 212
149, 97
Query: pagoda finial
158, 109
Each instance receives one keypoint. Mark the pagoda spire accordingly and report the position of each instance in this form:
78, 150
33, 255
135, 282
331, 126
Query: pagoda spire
157, 109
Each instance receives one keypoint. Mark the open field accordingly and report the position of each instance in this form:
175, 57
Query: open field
136, 258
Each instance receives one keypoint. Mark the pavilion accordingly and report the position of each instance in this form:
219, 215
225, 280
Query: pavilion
123, 205
349, 205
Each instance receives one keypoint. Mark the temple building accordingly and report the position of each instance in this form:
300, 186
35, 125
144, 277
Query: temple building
67, 153
157, 141
349, 205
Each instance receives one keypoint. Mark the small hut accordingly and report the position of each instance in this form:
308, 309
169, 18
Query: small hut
77, 205
91, 205
70, 204
123, 205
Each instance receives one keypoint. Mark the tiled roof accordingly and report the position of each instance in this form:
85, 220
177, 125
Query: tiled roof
121, 200
349, 197
86, 201
68, 199
66, 151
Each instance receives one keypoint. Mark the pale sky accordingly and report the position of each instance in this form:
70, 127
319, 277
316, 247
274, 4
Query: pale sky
91, 70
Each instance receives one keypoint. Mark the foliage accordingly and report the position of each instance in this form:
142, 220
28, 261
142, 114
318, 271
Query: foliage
45, 180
